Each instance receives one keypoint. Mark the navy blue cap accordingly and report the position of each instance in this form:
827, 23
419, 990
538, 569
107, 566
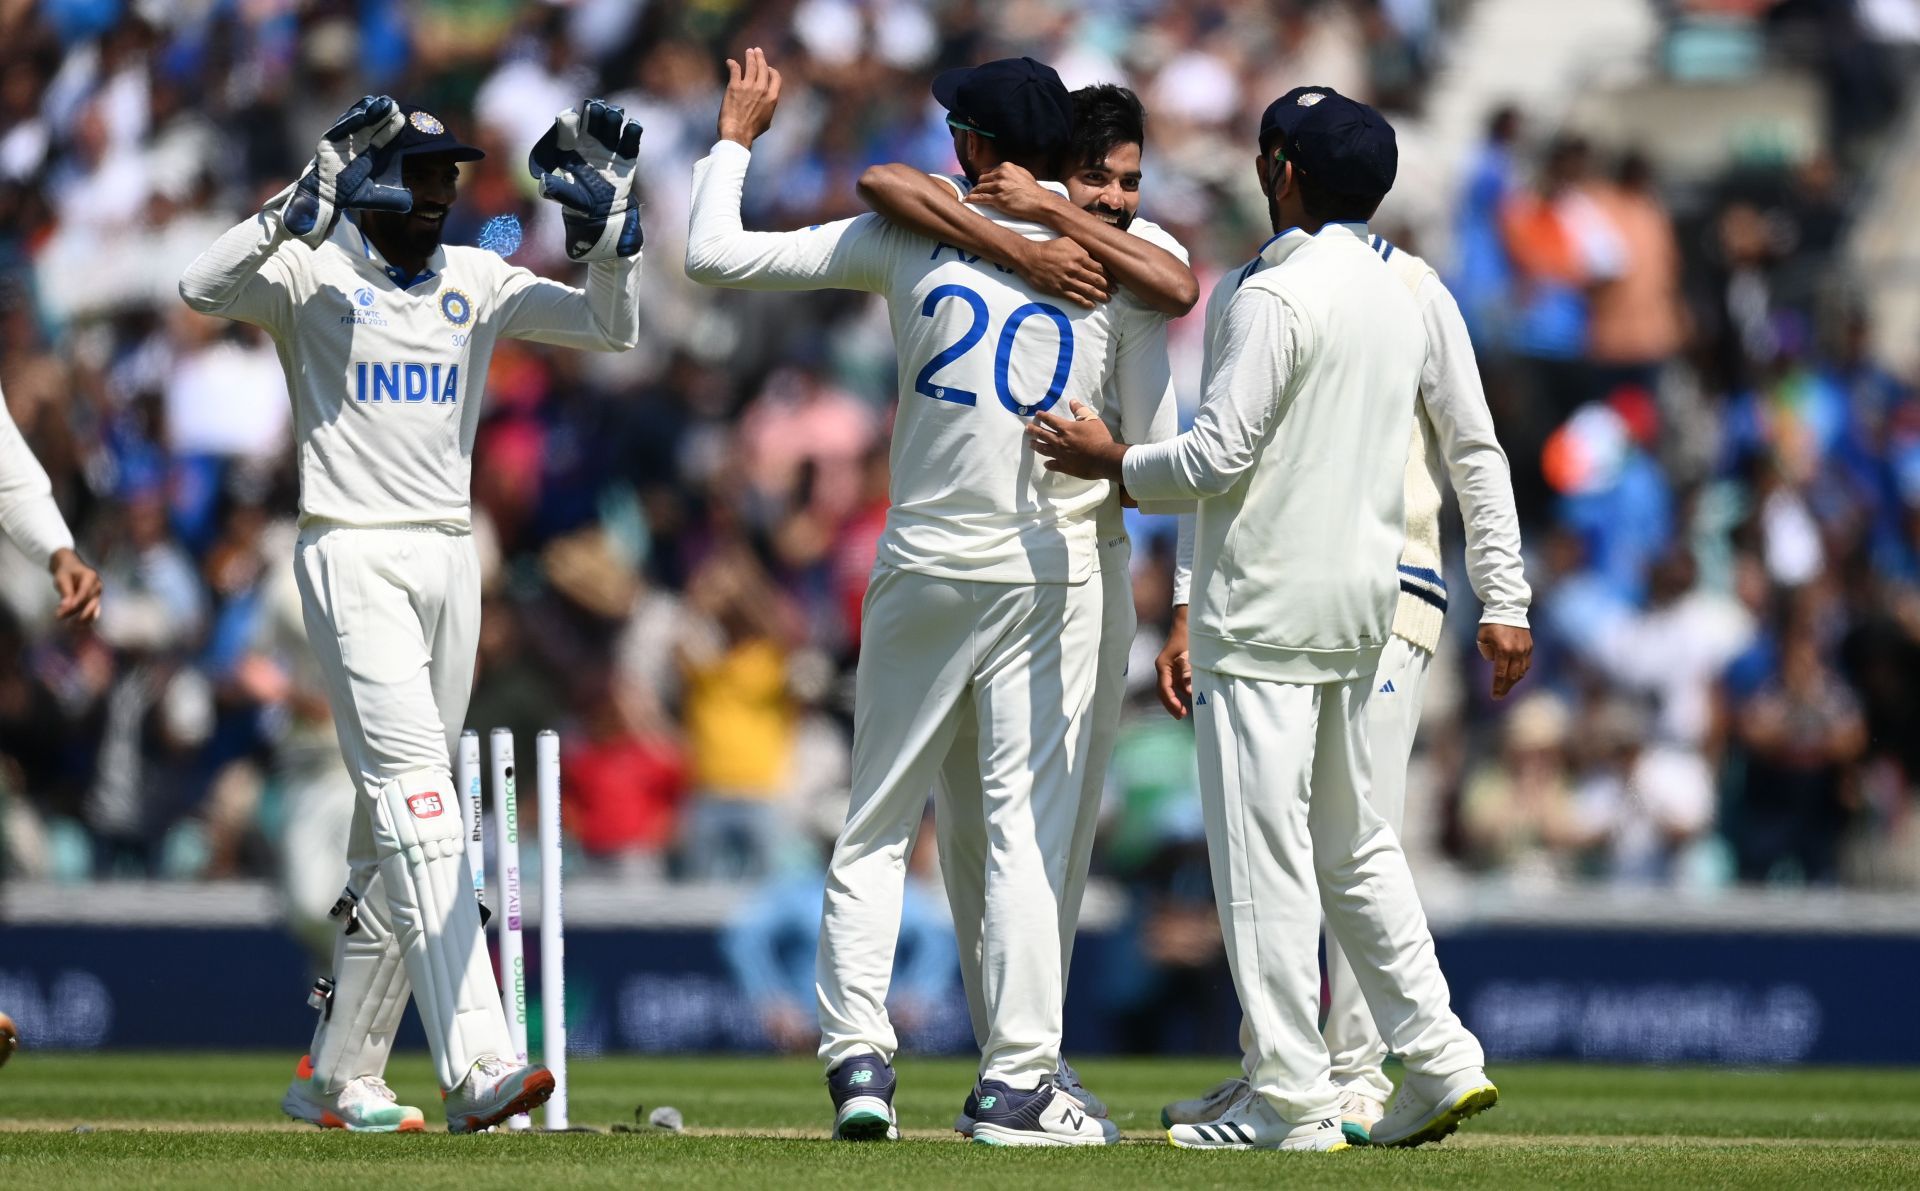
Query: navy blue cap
1011, 99
1344, 146
1284, 114
424, 133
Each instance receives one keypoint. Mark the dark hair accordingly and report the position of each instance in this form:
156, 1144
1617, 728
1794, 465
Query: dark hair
1326, 206
1105, 116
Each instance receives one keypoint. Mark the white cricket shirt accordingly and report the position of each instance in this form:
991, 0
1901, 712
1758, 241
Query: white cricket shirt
1298, 456
387, 372
980, 353
1453, 437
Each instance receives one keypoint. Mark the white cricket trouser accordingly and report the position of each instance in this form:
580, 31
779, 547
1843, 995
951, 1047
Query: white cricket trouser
1393, 717
1284, 774
1022, 659
962, 831
393, 616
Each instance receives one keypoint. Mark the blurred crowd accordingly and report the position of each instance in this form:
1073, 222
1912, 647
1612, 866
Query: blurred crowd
1720, 485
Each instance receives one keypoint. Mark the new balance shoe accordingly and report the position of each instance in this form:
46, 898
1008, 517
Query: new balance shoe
963, 1124
365, 1105
1204, 1107
1359, 1113
1427, 1109
1046, 1116
1066, 1079
1252, 1124
862, 1091
494, 1090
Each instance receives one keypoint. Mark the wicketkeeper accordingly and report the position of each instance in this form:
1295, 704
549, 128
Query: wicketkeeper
385, 336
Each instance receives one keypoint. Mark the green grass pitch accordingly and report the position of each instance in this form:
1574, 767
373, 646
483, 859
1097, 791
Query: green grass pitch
197, 1120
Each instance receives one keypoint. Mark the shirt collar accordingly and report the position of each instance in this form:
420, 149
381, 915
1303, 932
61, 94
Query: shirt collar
1283, 245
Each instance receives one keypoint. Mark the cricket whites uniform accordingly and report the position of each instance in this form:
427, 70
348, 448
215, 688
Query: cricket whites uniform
1298, 458
962, 836
983, 598
387, 373
1453, 439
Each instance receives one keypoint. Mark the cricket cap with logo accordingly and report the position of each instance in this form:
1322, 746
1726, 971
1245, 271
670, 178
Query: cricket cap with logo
1342, 144
424, 132
1016, 100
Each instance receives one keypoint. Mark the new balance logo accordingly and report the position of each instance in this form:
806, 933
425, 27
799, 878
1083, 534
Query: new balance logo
1386, 688
860, 1077
987, 1103
1073, 1119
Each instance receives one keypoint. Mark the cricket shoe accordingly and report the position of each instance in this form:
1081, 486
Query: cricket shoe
1427, 1109
1206, 1106
862, 1091
494, 1090
1252, 1124
1359, 1113
1046, 1116
1066, 1079
365, 1105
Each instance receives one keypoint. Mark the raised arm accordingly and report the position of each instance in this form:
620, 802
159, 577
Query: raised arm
848, 254
1155, 276
250, 273
931, 207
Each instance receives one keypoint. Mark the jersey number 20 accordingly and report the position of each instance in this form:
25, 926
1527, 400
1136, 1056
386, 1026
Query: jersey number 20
1002, 355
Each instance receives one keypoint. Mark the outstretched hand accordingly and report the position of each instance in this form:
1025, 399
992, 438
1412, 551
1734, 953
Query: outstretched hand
753, 92
1079, 446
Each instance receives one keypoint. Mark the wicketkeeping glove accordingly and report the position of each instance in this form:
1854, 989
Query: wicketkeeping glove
341, 174
585, 163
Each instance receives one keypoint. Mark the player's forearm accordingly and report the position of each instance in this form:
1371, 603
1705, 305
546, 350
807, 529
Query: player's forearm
27, 512
613, 295
926, 206
1154, 275
1241, 401
1456, 405
216, 277
721, 252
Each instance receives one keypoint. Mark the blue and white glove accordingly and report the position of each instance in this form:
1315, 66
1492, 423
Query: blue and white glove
585, 163
341, 174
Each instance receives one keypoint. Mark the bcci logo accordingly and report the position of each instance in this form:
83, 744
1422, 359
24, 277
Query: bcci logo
426, 123
424, 806
456, 307
363, 296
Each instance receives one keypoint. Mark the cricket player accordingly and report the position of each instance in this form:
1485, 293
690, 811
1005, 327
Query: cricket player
1453, 438
386, 336
1100, 214
983, 596
1298, 460
29, 517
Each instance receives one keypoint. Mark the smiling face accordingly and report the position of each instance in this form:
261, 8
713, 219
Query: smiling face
1109, 188
409, 239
